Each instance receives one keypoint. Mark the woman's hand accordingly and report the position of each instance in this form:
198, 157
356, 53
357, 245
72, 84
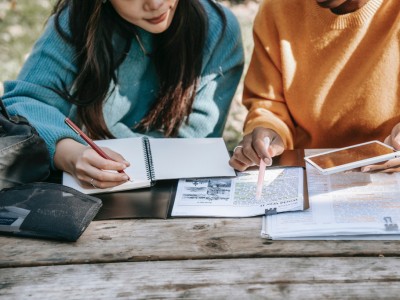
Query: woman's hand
88, 167
252, 148
392, 165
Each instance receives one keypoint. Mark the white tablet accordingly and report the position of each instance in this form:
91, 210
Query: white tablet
355, 156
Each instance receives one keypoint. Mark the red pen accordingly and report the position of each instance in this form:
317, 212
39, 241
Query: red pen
90, 142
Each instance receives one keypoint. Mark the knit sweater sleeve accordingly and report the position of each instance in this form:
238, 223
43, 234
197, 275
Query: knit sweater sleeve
263, 93
35, 93
222, 68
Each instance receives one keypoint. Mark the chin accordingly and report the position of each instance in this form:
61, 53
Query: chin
330, 3
156, 28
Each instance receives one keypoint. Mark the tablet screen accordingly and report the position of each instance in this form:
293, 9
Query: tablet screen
349, 155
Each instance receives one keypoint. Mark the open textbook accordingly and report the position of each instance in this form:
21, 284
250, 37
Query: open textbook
153, 159
284, 189
350, 205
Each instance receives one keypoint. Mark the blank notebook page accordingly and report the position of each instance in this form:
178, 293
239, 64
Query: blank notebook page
132, 150
189, 158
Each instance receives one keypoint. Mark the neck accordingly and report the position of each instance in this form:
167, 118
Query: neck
348, 6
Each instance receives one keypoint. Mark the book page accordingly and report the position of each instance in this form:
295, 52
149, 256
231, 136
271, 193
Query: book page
235, 197
343, 204
132, 150
175, 158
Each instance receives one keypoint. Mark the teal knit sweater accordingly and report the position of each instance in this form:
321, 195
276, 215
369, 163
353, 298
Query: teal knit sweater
50, 67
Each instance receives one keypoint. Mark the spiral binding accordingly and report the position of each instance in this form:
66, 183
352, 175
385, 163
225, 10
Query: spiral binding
149, 160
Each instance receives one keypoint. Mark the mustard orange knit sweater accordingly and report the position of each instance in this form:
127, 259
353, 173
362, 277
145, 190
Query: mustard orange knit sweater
323, 80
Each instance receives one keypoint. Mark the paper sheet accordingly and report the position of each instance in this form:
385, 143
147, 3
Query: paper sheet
343, 204
235, 197
175, 158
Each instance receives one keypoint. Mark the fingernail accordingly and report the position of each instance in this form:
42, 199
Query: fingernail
125, 177
365, 169
268, 161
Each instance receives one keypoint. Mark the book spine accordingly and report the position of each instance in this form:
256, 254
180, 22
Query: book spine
149, 160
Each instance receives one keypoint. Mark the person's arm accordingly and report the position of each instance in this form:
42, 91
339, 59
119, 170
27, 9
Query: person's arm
35, 94
222, 68
263, 96
263, 93
49, 70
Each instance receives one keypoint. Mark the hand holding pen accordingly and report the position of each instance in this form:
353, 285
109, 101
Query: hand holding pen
97, 181
252, 148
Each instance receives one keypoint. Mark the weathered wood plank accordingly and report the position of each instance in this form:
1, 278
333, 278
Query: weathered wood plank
288, 278
176, 239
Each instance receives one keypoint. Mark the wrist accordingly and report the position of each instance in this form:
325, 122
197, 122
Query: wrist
66, 154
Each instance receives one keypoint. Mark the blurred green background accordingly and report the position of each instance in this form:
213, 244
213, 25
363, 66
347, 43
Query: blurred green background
22, 21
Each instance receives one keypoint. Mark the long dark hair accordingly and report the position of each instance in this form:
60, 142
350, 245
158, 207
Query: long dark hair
178, 61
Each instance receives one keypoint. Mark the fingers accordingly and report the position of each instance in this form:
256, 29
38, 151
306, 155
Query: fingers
391, 170
388, 141
394, 138
251, 145
97, 184
101, 178
116, 157
91, 165
239, 161
244, 156
253, 148
261, 146
390, 166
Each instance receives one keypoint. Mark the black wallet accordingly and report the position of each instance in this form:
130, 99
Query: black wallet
46, 210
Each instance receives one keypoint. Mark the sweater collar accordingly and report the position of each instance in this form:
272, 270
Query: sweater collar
350, 20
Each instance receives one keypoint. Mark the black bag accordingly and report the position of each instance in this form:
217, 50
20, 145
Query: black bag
46, 210
24, 156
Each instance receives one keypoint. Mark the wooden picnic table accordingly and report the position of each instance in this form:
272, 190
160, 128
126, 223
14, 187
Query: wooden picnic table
195, 258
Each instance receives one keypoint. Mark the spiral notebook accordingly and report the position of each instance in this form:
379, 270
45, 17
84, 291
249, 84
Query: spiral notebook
154, 159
